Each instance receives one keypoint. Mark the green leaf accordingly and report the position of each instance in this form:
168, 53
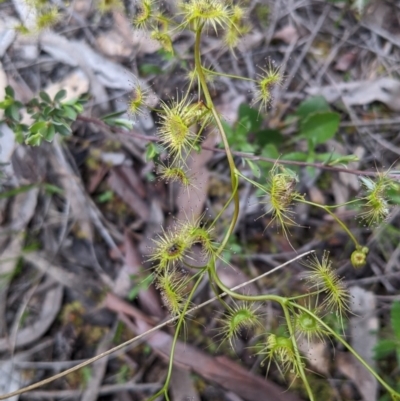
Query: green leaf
312, 105
197, 147
16, 191
105, 196
398, 354
6, 103
333, 159
46, 110
32, 103
9, 91
394, 194
296, 156
384, 348
60, 95
147, 69
78, 107
267, 136
327, 157
247, 113
395, 318
20, 132
151, 151
228, 129
34, 140
52, 189
270, 151
344, 160
49, 133
63, 129
113, 115
45, 97
143, 285
12, 112
70, 112
123, 122
37, 126
320, 127
254, 168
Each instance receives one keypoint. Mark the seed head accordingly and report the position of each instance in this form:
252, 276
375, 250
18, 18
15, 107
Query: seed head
198, 233
280, 191
173, 288
175, 174
164, 39
359, 257
322, 277
280, 349
236, 28
241, 317
144, 14
376, 207
175, 128
170, 248
137, 104
210, 13
267, 80
307, 326
109, 5
47, 17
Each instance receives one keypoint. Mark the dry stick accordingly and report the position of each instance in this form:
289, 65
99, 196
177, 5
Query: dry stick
250, 156
126, 343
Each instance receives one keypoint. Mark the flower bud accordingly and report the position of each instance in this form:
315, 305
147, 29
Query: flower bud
359, 257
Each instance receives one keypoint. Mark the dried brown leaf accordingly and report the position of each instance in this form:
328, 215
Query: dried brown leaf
287, 34
148, 298
182, 386
385, 90
48, 312
346, 60
127, 185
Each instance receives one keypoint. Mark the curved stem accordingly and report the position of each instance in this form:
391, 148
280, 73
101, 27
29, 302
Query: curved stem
226, 205
309, 294
220, 300
232, 167
233, 294
299, 364
392, 391
181, 321
323, 207
221, 74
343, 204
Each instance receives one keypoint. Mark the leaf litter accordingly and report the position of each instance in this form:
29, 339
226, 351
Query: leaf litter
134, 207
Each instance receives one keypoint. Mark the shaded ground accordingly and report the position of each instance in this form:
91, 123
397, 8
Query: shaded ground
77, 216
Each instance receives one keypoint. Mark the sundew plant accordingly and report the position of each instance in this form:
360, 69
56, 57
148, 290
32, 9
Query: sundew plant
183, 123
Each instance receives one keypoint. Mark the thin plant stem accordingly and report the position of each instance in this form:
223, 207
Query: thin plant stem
309, 294
323, 207
299, 364
221, 74
210, 105
339, 338
181, 320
